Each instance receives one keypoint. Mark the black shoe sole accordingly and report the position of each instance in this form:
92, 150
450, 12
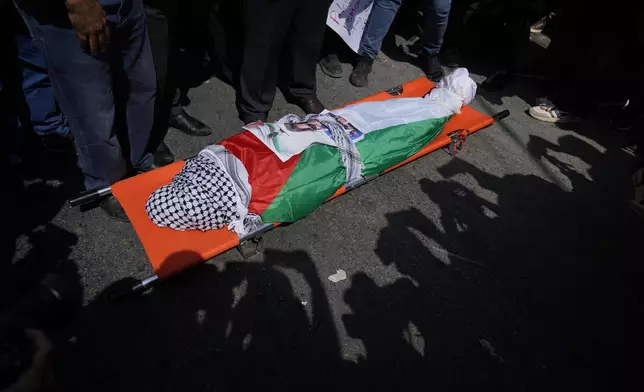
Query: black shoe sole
329, 73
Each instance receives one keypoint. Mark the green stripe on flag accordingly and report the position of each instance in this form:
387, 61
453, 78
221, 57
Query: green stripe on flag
319, 172
318, 175
387, 147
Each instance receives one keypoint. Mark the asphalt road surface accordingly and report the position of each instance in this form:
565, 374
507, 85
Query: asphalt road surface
512, 266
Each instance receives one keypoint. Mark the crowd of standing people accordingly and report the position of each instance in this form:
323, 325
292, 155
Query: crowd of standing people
105, 74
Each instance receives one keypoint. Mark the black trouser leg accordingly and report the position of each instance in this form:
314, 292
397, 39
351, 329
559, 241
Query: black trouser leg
305, 40
162, 25
266, 23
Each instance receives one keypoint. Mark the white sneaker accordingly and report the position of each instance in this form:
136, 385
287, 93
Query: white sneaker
550, 113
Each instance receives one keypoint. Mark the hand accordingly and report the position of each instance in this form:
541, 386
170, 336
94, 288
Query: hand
88, 18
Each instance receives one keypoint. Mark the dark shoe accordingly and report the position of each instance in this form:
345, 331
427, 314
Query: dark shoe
113, 209
163, 156
189, 125
331, 66
145, 169
311, 105
449, 56
252, 118
432, 68
360, 75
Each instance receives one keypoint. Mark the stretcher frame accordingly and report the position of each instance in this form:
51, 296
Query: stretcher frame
452, 137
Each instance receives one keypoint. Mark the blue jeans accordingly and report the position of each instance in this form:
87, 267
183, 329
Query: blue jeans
436, 13
46, 117
103, 97
382, 16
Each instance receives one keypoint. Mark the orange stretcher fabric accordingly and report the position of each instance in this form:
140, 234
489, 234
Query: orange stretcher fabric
171, 251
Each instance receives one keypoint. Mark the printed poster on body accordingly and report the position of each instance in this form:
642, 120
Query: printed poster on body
348, 18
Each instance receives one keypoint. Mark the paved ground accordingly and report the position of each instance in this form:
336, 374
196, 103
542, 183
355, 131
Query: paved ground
512, 266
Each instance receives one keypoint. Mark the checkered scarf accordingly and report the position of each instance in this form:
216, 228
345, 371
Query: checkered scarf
202, 196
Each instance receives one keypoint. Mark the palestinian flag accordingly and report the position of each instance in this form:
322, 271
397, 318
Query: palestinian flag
287, 191
296, 164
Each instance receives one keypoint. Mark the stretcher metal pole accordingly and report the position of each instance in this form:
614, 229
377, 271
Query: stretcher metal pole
90, 196
139, 288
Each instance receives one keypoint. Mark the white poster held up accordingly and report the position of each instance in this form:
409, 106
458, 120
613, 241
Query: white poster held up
348, 18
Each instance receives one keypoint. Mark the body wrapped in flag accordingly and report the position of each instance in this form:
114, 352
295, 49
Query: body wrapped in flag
282, 171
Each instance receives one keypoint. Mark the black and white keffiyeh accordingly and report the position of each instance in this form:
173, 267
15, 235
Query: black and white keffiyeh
348, 151
202, 197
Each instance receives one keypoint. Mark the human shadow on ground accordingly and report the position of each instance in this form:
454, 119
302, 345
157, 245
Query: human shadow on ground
39, 282
32, 246
525, 290
519, 285
561, 256
233, 326
267, 325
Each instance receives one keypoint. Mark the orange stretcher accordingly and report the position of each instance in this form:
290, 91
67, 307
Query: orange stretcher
171, 251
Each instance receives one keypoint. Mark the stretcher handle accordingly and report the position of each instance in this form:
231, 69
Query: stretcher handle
501, 115
89, 196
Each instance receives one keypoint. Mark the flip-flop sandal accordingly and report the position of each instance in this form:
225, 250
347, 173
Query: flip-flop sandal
550, 113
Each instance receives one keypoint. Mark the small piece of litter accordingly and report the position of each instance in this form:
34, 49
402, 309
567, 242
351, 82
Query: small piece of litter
490, 350
304, 303
338, 276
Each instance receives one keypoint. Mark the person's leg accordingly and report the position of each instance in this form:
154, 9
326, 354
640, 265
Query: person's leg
380, 20
330, 61
83, 88
140, 78
40, 112
159, 33
305, 40
46, 117
265, 25
436, 14
163, 32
